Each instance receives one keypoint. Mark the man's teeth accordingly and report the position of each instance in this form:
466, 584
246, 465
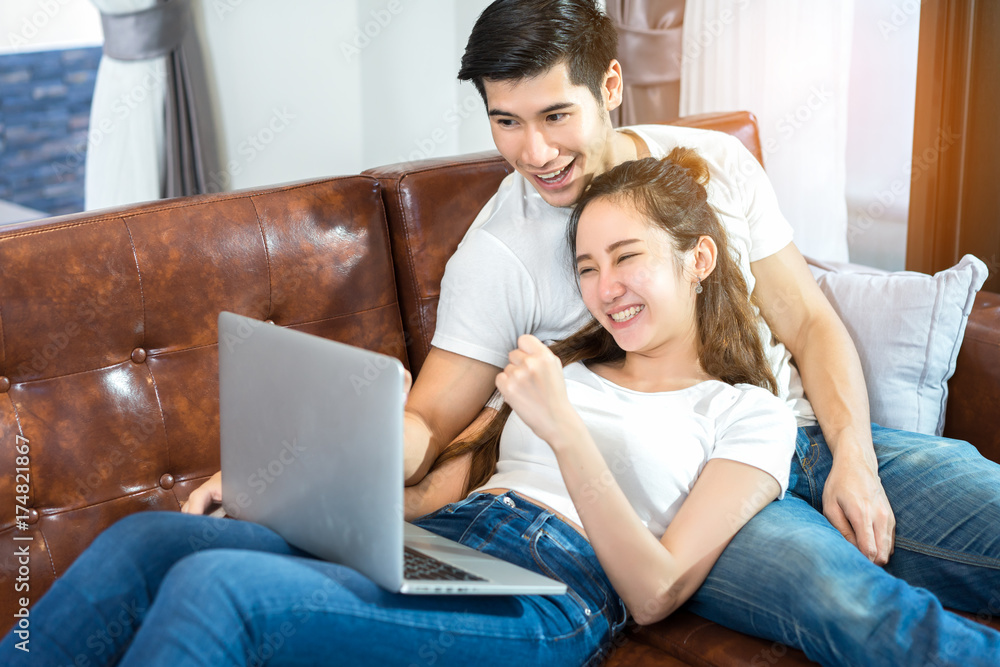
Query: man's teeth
626, 314
554, 174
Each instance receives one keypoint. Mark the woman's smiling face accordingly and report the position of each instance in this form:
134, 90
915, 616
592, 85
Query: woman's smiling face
630, 279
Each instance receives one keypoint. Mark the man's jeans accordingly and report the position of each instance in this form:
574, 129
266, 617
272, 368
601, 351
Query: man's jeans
163, 588
789, 575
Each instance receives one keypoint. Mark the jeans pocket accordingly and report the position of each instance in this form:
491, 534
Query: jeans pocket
554, 559
451, 508
806, 449
809, 466
442, 520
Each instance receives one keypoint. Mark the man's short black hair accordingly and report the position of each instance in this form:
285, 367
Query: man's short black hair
519, 39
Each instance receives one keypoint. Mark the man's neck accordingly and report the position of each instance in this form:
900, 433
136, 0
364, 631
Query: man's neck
621, 148
639, 149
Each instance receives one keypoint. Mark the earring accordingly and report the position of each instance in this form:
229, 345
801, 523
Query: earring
698, 289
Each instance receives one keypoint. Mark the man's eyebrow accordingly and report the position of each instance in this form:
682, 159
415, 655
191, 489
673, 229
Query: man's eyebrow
611, 248
558, 106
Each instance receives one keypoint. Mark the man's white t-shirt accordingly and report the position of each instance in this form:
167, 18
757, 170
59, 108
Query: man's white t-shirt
655, 443
513, 273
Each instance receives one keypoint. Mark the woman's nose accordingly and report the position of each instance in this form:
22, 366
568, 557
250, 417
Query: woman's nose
611, 286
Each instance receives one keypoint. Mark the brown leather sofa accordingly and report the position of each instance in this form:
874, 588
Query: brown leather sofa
108, 366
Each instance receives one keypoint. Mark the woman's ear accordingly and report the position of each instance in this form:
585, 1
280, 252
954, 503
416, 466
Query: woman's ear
704, 255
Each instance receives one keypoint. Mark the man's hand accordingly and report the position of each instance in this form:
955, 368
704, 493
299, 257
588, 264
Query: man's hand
203, 497
855, 503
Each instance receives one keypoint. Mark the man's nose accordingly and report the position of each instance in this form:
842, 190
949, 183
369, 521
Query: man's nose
538, 152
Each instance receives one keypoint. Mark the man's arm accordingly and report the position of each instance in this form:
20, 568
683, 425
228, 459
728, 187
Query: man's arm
448, 394
444, 485
801, 317
447, 483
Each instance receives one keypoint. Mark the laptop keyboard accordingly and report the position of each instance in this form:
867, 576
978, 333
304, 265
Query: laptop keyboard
418, 566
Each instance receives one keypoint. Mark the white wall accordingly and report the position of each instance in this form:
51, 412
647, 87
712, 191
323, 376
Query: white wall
35, 25
880, 130
312, 88
786, 61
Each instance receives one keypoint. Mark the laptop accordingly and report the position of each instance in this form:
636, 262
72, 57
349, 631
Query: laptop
312, 447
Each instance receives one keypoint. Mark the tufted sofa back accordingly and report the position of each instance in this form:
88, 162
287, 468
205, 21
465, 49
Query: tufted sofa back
108, 364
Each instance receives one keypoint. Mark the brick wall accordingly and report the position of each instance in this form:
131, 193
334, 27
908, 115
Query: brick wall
44, 116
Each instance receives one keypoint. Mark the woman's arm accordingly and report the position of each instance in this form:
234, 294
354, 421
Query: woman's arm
653, 577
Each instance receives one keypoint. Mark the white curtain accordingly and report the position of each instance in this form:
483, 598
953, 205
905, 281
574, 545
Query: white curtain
125, 147
787, 61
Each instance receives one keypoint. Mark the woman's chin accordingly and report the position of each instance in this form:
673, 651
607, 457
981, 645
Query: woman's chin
627, 343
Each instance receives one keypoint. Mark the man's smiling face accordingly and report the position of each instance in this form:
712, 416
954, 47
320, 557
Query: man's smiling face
553, 132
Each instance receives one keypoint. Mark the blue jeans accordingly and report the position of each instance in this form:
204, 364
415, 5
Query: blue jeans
163, 588
789, 576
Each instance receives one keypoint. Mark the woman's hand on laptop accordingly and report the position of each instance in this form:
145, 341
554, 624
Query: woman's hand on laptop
204, 496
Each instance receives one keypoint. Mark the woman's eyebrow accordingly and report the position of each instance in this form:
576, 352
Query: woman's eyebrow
611, 248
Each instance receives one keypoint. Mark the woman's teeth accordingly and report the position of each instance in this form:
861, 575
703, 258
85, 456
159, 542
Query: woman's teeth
627, 314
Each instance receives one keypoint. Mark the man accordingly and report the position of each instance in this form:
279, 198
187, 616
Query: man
547, 72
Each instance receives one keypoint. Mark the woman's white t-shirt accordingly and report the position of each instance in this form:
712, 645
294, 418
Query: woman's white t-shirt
655, 444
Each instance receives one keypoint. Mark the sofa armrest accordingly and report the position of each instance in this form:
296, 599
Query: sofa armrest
974, 389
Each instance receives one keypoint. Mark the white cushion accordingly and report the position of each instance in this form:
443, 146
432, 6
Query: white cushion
908, 328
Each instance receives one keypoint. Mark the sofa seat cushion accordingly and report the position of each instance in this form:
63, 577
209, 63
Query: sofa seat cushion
696, 641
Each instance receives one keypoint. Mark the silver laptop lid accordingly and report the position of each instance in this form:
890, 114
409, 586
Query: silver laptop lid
285, 397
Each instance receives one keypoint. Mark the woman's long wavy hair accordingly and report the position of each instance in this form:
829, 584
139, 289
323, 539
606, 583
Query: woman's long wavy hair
671, 194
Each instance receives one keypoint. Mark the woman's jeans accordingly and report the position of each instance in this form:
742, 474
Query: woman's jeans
789, 576
163, 588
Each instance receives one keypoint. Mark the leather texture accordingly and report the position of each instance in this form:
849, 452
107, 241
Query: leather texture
108, 344
108, 347
974, 389
430, 205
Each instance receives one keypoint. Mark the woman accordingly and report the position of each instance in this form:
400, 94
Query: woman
624, 476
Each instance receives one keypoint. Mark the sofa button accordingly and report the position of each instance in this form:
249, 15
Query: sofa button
32, 516
4, 384
167, 481
138, 355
